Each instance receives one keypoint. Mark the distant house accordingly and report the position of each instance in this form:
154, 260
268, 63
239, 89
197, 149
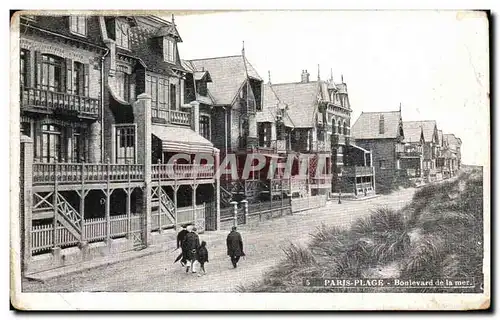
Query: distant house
234, 90
381, 133
411, 157
320, 112
452, 153
430, 147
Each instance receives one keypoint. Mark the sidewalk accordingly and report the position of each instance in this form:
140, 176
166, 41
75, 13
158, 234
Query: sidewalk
111, 259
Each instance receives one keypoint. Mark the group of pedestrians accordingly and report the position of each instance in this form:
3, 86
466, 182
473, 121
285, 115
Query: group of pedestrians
193, 251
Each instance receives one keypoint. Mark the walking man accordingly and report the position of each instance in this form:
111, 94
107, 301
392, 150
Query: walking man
191, 244
234, 246
180, 240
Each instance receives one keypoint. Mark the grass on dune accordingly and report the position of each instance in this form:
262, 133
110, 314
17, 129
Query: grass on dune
438, 235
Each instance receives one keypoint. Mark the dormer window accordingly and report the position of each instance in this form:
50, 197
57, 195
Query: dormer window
78, 25
169, 49
122, 32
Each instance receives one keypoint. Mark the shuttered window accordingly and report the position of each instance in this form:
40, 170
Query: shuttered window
78, 25
169, 50
157, 88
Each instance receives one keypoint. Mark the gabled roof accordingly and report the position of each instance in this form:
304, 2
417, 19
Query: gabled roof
168, 31
228, 76
413, 131
428, 127
271, 106
367, 125
143, 46
301, 98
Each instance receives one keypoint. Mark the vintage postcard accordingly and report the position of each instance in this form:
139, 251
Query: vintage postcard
250, 160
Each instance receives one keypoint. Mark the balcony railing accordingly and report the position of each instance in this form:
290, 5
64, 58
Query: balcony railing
74, 173
179, 117
182, 171
46, 100
357, 171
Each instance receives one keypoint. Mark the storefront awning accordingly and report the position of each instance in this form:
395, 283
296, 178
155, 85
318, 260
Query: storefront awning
179, 139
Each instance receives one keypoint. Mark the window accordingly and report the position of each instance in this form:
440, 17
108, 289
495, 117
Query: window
345, 128
122, 82
78, 25
264, 134
122, 29
79, 151
173, 96
78, 79
169, 49
205, 127
381, 128
201, 88
125, 144
24, 67
51, 73
339, 127
382, 164
51, 143
157, 88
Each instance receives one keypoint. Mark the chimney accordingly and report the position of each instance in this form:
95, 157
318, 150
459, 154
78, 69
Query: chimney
305, 76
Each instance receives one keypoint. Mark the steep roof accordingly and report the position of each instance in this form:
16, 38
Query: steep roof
60, 25
453, 141
428, 127
228, 75
367, 125
271, 104
301, 98
412, 130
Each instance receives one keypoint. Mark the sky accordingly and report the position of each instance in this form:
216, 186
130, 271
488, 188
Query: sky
435, 63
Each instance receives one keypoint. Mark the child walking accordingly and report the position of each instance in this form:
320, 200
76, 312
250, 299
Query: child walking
202, 257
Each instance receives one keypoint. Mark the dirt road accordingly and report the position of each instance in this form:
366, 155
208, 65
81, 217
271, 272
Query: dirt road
263, 246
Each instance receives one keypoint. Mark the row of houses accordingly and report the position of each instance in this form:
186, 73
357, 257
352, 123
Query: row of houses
107, 105
407, 150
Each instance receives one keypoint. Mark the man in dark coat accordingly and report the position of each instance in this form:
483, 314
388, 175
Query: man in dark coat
180, 239
234, 246
191, 244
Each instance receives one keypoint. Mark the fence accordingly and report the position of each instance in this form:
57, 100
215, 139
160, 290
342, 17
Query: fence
185, 215
42, 236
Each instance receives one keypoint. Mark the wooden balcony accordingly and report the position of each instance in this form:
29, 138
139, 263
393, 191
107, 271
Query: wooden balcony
172, 117
39, 100
357, 171
179, 117
88, 173
81, 173
182, 171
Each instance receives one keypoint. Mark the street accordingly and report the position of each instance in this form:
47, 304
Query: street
263, 245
